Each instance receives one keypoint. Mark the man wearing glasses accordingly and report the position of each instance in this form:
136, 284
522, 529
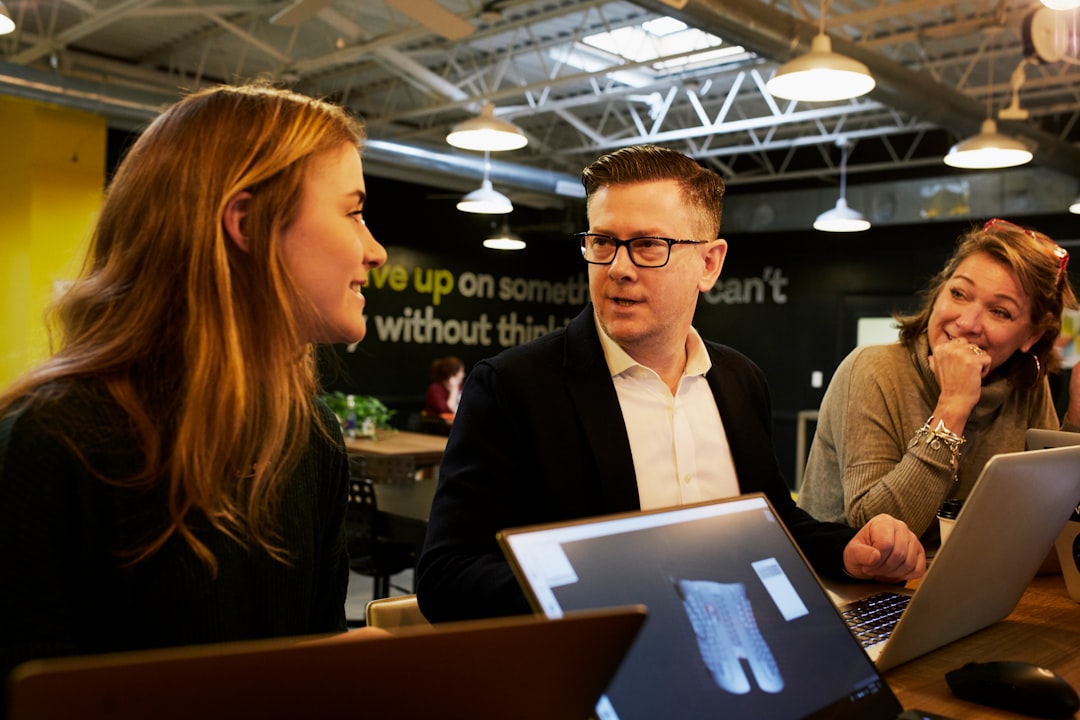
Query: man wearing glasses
626, 408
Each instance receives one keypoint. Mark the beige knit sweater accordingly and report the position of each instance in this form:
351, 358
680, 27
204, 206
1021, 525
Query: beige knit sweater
863, 460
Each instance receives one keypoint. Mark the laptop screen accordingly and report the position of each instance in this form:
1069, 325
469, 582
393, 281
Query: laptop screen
738, 624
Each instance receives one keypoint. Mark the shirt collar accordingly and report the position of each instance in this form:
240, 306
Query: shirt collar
698, 361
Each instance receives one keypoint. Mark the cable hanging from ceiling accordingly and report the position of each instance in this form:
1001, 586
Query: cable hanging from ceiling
486, 133
842, 218
990, 149
486, 200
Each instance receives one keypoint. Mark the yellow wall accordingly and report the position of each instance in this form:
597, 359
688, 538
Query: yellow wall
52, 178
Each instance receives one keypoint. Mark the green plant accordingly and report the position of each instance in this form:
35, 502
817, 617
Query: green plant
369, 406
365, 406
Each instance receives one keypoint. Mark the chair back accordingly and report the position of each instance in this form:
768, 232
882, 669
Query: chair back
394, 612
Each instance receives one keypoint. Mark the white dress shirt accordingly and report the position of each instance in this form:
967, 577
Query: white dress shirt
680, 450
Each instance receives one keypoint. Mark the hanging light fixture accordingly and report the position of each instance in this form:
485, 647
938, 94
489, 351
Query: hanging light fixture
487, 132
1061, 4
821, 75
1075, 207
504, 239
990, 149
842, 218
485, 200
7, 25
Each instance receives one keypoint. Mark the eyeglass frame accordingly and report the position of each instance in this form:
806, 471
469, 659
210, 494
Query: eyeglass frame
583, 236
1056, 250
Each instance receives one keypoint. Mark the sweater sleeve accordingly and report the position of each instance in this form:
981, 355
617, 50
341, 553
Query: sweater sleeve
884, 470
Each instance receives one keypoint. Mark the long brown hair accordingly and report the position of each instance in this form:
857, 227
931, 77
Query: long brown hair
196, 340
1042, 274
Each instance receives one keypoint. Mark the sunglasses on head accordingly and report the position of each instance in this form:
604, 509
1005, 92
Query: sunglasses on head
1056, 250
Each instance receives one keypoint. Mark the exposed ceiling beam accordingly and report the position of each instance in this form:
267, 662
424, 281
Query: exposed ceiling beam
773, 33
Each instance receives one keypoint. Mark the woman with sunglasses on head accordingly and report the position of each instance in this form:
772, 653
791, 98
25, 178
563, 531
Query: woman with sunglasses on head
905, 426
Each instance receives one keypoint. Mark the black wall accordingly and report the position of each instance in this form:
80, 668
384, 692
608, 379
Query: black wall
789, 300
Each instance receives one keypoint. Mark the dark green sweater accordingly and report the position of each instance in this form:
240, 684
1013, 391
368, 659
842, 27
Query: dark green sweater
65, 590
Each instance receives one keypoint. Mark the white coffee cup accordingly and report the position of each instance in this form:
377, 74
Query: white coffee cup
947, 518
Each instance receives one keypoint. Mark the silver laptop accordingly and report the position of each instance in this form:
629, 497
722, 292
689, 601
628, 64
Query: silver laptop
1066, 555
1041, 439
1005, 529
739, 625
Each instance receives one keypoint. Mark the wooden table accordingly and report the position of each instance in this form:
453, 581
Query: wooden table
1043, 629
426, 449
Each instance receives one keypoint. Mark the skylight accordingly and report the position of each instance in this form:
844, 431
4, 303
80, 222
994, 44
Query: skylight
663, 38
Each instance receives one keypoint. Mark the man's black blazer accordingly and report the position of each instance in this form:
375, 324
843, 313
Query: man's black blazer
539, 437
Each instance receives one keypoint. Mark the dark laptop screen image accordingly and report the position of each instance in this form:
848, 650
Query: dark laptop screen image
738, 626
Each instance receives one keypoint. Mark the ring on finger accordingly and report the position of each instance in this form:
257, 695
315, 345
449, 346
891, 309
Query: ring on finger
976, 349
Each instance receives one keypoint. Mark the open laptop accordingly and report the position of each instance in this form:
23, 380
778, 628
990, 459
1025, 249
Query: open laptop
1042, 439
1005, 529
1066, 556
737, 548
526, 667
739, 625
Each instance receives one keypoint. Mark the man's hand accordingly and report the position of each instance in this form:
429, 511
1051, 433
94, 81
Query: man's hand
885, 550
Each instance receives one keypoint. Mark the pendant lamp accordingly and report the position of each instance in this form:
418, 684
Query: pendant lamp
504, 239
485, 200
842, 218
989, 149
821, 75
1075, 207
487, 132
7, 25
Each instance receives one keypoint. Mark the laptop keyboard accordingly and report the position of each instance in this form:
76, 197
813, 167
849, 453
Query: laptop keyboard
873, 618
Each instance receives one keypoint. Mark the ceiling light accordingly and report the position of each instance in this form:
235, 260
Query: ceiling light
842, 218
1061, 4
504, 239
988, 150
487, 132
7, 25
485, 200
821, 75
1075, 207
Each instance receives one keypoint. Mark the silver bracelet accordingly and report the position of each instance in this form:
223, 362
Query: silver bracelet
939, 436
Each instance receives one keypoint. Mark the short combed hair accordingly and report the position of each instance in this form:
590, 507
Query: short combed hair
703, 188
1039, 273
199, 342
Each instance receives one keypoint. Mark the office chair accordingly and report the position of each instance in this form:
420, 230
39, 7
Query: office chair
371, 552
394, 612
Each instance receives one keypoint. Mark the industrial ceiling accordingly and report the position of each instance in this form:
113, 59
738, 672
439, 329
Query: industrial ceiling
414, 68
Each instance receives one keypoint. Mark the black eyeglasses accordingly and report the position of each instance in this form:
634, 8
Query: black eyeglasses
1056, 250
645, 252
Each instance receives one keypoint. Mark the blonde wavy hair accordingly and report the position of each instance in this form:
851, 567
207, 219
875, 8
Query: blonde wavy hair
196, 340
1041, 268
